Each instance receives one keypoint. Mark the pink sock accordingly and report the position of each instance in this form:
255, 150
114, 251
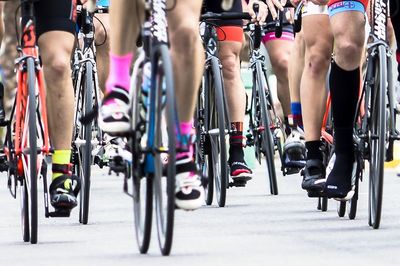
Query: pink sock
186, 129
119, 72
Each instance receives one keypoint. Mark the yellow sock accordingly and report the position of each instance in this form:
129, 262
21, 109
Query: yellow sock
61, 157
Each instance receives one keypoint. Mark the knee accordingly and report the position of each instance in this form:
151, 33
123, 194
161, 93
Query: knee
349, 49
317, 63
230, 65
102, 33
185, 39
57, 65
281, 66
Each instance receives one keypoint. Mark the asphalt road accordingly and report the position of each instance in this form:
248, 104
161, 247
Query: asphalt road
253, 229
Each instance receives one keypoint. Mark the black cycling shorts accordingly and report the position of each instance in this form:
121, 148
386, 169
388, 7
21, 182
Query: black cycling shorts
215, 7
55, 15
287, 30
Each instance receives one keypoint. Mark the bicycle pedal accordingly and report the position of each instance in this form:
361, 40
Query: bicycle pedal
238, 183
60, 213
315, 194
291, 170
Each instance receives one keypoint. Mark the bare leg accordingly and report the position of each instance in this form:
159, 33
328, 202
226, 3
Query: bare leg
103, 50
229, 55
317, 59
279, 53
187, 55
60, 94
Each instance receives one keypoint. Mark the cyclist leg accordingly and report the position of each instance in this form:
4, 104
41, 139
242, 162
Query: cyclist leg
102, 29
318, 41
113, 117
55, 30
230, 34
296, 67
187, 59
279, 50
294, 149
348, 30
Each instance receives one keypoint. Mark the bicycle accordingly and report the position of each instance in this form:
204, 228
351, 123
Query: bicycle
27, 145
212, 121
155, 128
87, 136
374, 131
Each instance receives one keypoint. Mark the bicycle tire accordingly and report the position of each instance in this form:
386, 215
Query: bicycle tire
217, 121
209, 191
162, 69
24, 211
377, 139
86, 148
202, 154
142, 184
33, 171
267, 141
341, 208
352, 204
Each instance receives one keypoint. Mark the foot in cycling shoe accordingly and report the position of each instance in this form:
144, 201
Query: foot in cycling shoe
340, 176
239, 171
189, 191
313, 177
63, 192
114, 112
295, 149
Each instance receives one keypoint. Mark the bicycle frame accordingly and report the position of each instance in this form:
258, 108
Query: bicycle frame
27, 48
83, 54
156, 34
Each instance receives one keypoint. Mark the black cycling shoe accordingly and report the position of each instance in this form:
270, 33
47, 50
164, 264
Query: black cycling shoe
340, 182
63, 192
313, 177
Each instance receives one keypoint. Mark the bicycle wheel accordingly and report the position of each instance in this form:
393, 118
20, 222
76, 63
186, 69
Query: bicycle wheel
166, 121
30, 155
352, 204
267, 141
377, 137
24, 211
142, 184
216, 131
85, 149
203, 156
341, 208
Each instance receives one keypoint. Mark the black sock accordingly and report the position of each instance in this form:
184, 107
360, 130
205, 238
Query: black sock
344, 88
313, 150
236, 153
344, 94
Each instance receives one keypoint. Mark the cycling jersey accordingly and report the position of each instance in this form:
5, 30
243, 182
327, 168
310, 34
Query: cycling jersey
227, 30
53, 15
103, 3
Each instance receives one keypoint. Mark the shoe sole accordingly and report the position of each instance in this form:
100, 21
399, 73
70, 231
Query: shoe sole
115, 128
189, 205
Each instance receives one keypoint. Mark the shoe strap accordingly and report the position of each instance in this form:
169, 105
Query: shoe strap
186, 167
118, 93
65, 169
59, 181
